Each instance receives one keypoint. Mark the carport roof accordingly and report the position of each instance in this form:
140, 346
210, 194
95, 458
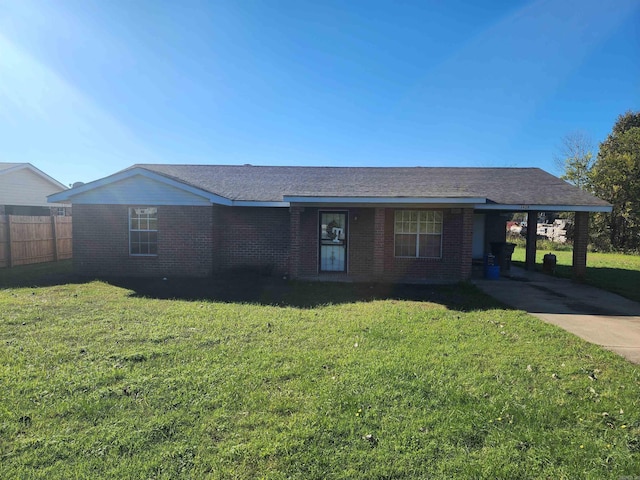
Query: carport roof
486, 188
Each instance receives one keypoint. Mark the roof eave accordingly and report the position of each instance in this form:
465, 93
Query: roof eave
383, 200
545, 208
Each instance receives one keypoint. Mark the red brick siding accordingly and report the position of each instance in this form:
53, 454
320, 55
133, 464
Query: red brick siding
371, 247
361, 242
466, 249
580, 243
194, 241
308, 242
455, 264
294, 239
101, 242
251, 237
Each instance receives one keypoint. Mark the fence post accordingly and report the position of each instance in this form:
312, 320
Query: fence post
55, 238
9, 255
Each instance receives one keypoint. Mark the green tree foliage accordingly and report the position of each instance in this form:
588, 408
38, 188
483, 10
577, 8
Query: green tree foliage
615, 177
575, 158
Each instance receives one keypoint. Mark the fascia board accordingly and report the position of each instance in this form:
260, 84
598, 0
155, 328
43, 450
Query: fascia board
385, 200
545, 208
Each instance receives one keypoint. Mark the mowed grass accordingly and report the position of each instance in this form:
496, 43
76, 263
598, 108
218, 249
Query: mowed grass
99, 382
616, 272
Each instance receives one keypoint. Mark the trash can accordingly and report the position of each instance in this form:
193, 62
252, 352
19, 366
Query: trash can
503, 252
549, 263
507, 253
491, 270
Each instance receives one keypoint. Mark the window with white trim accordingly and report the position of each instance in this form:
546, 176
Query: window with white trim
143, 230
418, 233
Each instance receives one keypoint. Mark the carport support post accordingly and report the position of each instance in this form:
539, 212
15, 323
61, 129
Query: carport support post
532, 230
580, 241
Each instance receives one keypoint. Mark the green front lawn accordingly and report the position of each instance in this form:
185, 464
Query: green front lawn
616, 272
101, 381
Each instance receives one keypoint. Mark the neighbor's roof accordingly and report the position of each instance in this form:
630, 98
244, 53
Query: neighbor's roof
491, 186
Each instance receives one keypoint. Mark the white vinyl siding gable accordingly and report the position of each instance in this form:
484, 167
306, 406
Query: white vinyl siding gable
25, 187
141, 191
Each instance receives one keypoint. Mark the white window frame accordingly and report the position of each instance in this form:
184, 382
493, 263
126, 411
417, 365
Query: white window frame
417, 234
155, 210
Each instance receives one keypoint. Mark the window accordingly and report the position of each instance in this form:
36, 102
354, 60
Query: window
143, 231
418, 233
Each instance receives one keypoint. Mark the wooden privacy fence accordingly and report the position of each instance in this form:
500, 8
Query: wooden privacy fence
25, 240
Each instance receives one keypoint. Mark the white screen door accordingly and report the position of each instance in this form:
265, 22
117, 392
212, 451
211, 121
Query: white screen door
333, 241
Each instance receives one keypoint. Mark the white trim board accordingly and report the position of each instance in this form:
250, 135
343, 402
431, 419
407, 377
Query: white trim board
383, 200
544, 208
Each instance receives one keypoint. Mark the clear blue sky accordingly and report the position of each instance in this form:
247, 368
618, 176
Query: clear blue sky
89, 87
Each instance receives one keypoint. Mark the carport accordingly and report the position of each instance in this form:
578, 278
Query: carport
494, 227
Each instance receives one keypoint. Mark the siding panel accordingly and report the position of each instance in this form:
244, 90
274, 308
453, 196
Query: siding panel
139, 190
24, 187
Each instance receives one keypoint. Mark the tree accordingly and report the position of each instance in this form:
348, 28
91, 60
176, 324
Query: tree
615, 177
575, 158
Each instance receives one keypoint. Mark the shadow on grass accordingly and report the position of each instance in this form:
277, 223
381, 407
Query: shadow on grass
266, 290
40, 275
249, 286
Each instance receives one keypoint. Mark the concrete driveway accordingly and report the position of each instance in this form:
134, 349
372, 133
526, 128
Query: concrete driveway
593, 314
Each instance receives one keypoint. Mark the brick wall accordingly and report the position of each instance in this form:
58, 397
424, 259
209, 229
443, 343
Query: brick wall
580, 243
308, 242
101, 242
251, 237
361, 242
196, 241
371, 247
455, 264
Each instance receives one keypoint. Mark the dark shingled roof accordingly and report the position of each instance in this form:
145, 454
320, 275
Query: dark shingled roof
508, 186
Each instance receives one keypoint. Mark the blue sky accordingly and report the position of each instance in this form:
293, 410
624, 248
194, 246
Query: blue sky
90, 87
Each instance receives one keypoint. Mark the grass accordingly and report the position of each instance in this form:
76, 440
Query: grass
616, 272
106, 380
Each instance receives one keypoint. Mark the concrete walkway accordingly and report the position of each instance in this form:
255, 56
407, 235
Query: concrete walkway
593, 314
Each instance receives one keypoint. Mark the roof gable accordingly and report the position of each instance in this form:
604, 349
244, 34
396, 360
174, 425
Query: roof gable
7, 168
138, 186
24, 185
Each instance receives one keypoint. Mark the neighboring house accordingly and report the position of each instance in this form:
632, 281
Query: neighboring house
387, 224
24, 190
556, 231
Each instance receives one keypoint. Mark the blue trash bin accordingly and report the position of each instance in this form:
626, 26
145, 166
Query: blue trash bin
491, 270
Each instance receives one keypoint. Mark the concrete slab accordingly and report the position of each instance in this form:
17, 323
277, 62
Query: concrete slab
595, 315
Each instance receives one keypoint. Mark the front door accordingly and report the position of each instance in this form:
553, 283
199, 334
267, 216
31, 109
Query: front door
333, 241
